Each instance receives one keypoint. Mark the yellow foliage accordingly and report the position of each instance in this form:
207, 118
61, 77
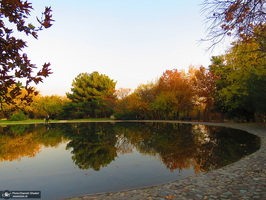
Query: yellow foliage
18, 146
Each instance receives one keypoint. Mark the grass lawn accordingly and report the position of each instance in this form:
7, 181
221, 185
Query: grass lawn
91, 119
37, 121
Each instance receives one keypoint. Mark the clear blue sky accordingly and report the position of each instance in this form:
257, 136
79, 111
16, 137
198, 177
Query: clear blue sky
131, 41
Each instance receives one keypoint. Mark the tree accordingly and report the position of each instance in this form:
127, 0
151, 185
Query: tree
92, 92
203, 81
241, 19
163, 104
163, 99
51, 105
15, 65
145, 95
240, 90
256, 88
20, 103
122, 93
122, 103
177, 83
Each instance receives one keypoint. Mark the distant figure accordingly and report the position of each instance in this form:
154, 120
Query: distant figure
140, 117
47, 119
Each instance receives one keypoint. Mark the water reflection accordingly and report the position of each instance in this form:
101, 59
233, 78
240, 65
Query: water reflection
92, 145
96, 145
26, 140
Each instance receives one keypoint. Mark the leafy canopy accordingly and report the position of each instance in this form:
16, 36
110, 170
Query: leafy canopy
241, 86
92, 92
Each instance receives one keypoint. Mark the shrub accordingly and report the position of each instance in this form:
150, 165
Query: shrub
125, 116
18, 116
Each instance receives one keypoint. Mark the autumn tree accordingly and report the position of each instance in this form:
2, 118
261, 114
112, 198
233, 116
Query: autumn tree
137, 104
122, 103
204, 82
172, 94
177, 91
122, 93
144, 96
51, 105
15, 65
19, 103
92, 93
240, 19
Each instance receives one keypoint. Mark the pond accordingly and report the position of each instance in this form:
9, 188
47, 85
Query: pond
71, 159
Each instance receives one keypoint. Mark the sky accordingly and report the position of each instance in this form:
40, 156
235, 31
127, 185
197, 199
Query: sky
131, 41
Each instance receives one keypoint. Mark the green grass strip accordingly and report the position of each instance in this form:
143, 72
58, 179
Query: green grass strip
37, 121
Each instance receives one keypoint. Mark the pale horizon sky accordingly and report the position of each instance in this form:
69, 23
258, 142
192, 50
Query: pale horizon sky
131, 41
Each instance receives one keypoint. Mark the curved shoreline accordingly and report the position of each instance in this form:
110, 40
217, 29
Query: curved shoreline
245, 179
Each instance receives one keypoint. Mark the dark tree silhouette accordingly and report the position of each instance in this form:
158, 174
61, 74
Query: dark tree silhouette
15, 65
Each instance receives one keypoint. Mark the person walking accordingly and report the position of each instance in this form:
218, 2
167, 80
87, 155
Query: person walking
47, 119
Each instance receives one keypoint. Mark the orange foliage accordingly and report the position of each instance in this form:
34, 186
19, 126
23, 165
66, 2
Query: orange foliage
179, 85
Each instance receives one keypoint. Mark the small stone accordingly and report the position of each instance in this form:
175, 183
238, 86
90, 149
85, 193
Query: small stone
199, 196
227, 193
163, 193
177, 192
242, 191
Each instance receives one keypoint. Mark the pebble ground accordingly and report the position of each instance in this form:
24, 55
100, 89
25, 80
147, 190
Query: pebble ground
245, 179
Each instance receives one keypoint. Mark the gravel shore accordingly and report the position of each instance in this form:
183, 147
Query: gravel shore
245, 179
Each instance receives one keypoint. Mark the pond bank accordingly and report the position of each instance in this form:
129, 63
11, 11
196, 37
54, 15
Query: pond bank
245, 179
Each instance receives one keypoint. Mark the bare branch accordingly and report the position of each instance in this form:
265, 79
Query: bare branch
236, 19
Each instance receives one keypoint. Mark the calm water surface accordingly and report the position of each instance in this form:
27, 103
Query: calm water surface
65, 160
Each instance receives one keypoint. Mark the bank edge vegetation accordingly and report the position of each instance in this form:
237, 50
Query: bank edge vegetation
232, 87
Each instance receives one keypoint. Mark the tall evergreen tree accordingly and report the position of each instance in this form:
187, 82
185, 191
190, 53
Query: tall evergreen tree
92, 93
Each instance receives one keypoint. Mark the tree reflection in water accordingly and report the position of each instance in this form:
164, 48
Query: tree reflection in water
26, 140
96, 145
